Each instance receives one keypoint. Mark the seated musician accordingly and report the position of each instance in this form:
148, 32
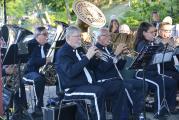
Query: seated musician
165, 40
38, 48
73, 68
20, 103
108, 73
145, 37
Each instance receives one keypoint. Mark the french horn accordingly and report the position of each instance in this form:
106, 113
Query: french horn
48, 70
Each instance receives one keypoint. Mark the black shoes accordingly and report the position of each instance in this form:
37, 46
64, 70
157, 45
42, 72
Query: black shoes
37, 112
21, 116
174, 112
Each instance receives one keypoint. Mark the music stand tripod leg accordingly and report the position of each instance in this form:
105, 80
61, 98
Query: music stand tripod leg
164, 101
164, 104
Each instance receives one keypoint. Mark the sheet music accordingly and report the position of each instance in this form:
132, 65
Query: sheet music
145, 57
159, 56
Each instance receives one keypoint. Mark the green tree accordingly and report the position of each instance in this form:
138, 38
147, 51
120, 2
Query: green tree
141, 11
17, 8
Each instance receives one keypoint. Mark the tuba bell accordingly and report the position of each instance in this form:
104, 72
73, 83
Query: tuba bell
89, 13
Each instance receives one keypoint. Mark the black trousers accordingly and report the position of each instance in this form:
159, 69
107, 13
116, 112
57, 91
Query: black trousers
39, 86
135, 88
93, 92
115, 92
174, 75
154, 81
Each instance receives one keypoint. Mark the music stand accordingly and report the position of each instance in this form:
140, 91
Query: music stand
161, 58
141, 62
17, 54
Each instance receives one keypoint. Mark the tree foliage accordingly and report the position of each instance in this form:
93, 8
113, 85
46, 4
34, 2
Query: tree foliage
141, 11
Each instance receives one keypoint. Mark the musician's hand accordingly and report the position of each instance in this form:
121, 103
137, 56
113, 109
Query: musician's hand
125, 51
91, 52
99, 54
48, 59
120, 48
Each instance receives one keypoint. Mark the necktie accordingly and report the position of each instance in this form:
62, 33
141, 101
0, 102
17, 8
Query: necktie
120, 75
84, 69
42, 52
107, 50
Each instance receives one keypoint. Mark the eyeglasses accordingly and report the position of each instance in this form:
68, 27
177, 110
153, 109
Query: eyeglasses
106, 35
152, 32
44, 33
168, 31
77, 36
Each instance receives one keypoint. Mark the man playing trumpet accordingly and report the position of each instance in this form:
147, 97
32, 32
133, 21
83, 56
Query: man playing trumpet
108, 74
75, 70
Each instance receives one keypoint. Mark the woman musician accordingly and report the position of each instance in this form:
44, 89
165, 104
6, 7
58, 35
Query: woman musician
145, 37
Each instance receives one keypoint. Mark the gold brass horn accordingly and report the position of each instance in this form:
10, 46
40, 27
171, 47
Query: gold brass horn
89, 13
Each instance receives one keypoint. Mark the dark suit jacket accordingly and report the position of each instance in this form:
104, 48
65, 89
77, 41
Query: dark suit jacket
105, 70
3, 72
35, 60
151, 69
69, 68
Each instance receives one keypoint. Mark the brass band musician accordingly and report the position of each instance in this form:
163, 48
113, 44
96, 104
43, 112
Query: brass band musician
38, 48
145, 37
19, 97
108, 74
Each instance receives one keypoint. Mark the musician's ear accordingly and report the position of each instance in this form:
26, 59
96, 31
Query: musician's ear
159, 31
144, 33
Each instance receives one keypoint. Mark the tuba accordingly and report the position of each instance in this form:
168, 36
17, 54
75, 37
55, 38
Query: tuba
48, 70
89, 13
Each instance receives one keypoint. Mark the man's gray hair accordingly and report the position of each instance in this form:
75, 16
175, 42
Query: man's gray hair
70, 30
100, 32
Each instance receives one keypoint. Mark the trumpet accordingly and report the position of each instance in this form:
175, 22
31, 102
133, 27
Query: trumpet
105, 56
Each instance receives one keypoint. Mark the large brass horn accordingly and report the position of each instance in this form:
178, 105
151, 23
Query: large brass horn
89, 13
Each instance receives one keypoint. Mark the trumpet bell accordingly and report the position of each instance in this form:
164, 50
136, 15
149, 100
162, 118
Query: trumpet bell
89, 13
